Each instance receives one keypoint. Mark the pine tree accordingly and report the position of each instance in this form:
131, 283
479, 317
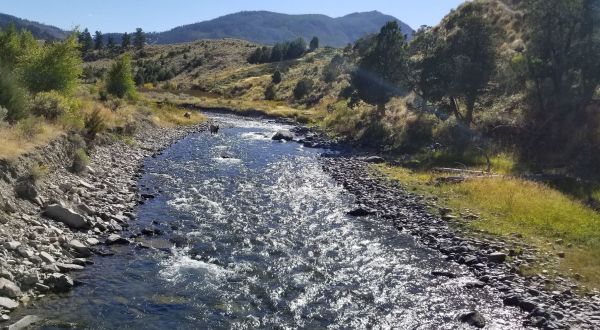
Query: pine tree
139, 40
110, 43
126, 41
85, 40
314, 44
98, 41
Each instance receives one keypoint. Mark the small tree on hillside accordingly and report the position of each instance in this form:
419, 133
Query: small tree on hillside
119, 79
125, 41
381, 71
276, 77
139, 40
314, 44
302, 88
296, 49
13, 98
110, 43
98, 41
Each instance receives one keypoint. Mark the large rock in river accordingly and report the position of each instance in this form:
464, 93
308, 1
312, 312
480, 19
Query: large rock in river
9, 289
283, 135
67, 216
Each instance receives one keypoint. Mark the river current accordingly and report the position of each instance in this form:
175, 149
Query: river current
254, 234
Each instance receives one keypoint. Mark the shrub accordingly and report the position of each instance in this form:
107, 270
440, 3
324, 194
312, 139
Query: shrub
13, 98
3, 113
276, 77
119, 79
81, 161
38, 172
302, 88
94, 124
454, 135
57, 66
270, 93
30, 127
50, 105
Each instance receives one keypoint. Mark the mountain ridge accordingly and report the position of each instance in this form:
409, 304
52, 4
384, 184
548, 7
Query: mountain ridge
39, 30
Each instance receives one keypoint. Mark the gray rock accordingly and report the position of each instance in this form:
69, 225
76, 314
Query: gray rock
474, 319
375, 160
24, 252
65, 268
497, 257
92, 241
115, 239
13, 245
8, 303
6, 205
59, 282
284, 135
9, 289
25, 323
80, 248
46, 257
26, 189
67, 216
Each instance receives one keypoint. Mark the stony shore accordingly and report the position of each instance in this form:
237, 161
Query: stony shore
52, 226
492, 261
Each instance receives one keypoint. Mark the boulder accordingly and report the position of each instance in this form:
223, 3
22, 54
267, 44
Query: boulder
8, 303
67, 216
47, 258
115, 239
360, 212
474, 319
497, 257
9, 289
283, 135
59, 282
65, 268
25, 323
80, 248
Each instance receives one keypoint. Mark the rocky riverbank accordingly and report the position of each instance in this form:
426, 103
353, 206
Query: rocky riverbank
53, 220
493, 262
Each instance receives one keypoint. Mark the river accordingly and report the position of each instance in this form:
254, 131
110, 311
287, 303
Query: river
254, 234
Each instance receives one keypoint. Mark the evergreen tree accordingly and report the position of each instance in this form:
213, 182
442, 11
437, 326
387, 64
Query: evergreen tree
86, 41
125, 41
98, 40
314, 44
276, 77
296, 49
383, 68
139, 39
110, 43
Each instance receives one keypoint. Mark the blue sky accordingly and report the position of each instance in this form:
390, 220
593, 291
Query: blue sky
160, 15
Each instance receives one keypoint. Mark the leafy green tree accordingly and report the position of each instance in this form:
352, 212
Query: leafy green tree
13, 45
86, 41
98, 40
279, 52
57, 66
563, 73
139, 39
314, 44
119, 79
125, 41
12, 97
270, 92
381, 72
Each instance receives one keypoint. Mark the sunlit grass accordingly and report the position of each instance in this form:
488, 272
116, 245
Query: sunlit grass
541, 214
14, 143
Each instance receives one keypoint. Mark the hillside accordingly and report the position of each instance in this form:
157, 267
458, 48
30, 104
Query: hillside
268, 28
39, 30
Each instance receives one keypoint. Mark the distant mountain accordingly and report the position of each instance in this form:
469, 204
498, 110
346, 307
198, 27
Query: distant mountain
268, 28
39, 31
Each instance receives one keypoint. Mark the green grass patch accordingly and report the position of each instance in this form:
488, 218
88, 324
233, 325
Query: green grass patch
506, 205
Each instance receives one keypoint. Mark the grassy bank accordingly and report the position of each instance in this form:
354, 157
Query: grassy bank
545, 218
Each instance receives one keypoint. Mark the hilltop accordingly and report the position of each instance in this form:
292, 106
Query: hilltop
39, 30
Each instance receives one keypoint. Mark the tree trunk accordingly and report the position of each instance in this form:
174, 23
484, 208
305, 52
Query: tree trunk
455, 109
468, 120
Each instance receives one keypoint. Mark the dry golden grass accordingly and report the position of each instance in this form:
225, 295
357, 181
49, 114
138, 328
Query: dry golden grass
15, 144
510, 205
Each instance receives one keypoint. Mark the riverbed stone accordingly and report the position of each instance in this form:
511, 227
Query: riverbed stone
474, 319
59, 282
9, 289
46, 257
8, 303
497, 257
115, 239
283, 135
67, 216
25, 322
80, 248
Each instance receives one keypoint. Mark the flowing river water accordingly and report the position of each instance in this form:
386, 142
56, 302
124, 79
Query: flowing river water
255, 235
